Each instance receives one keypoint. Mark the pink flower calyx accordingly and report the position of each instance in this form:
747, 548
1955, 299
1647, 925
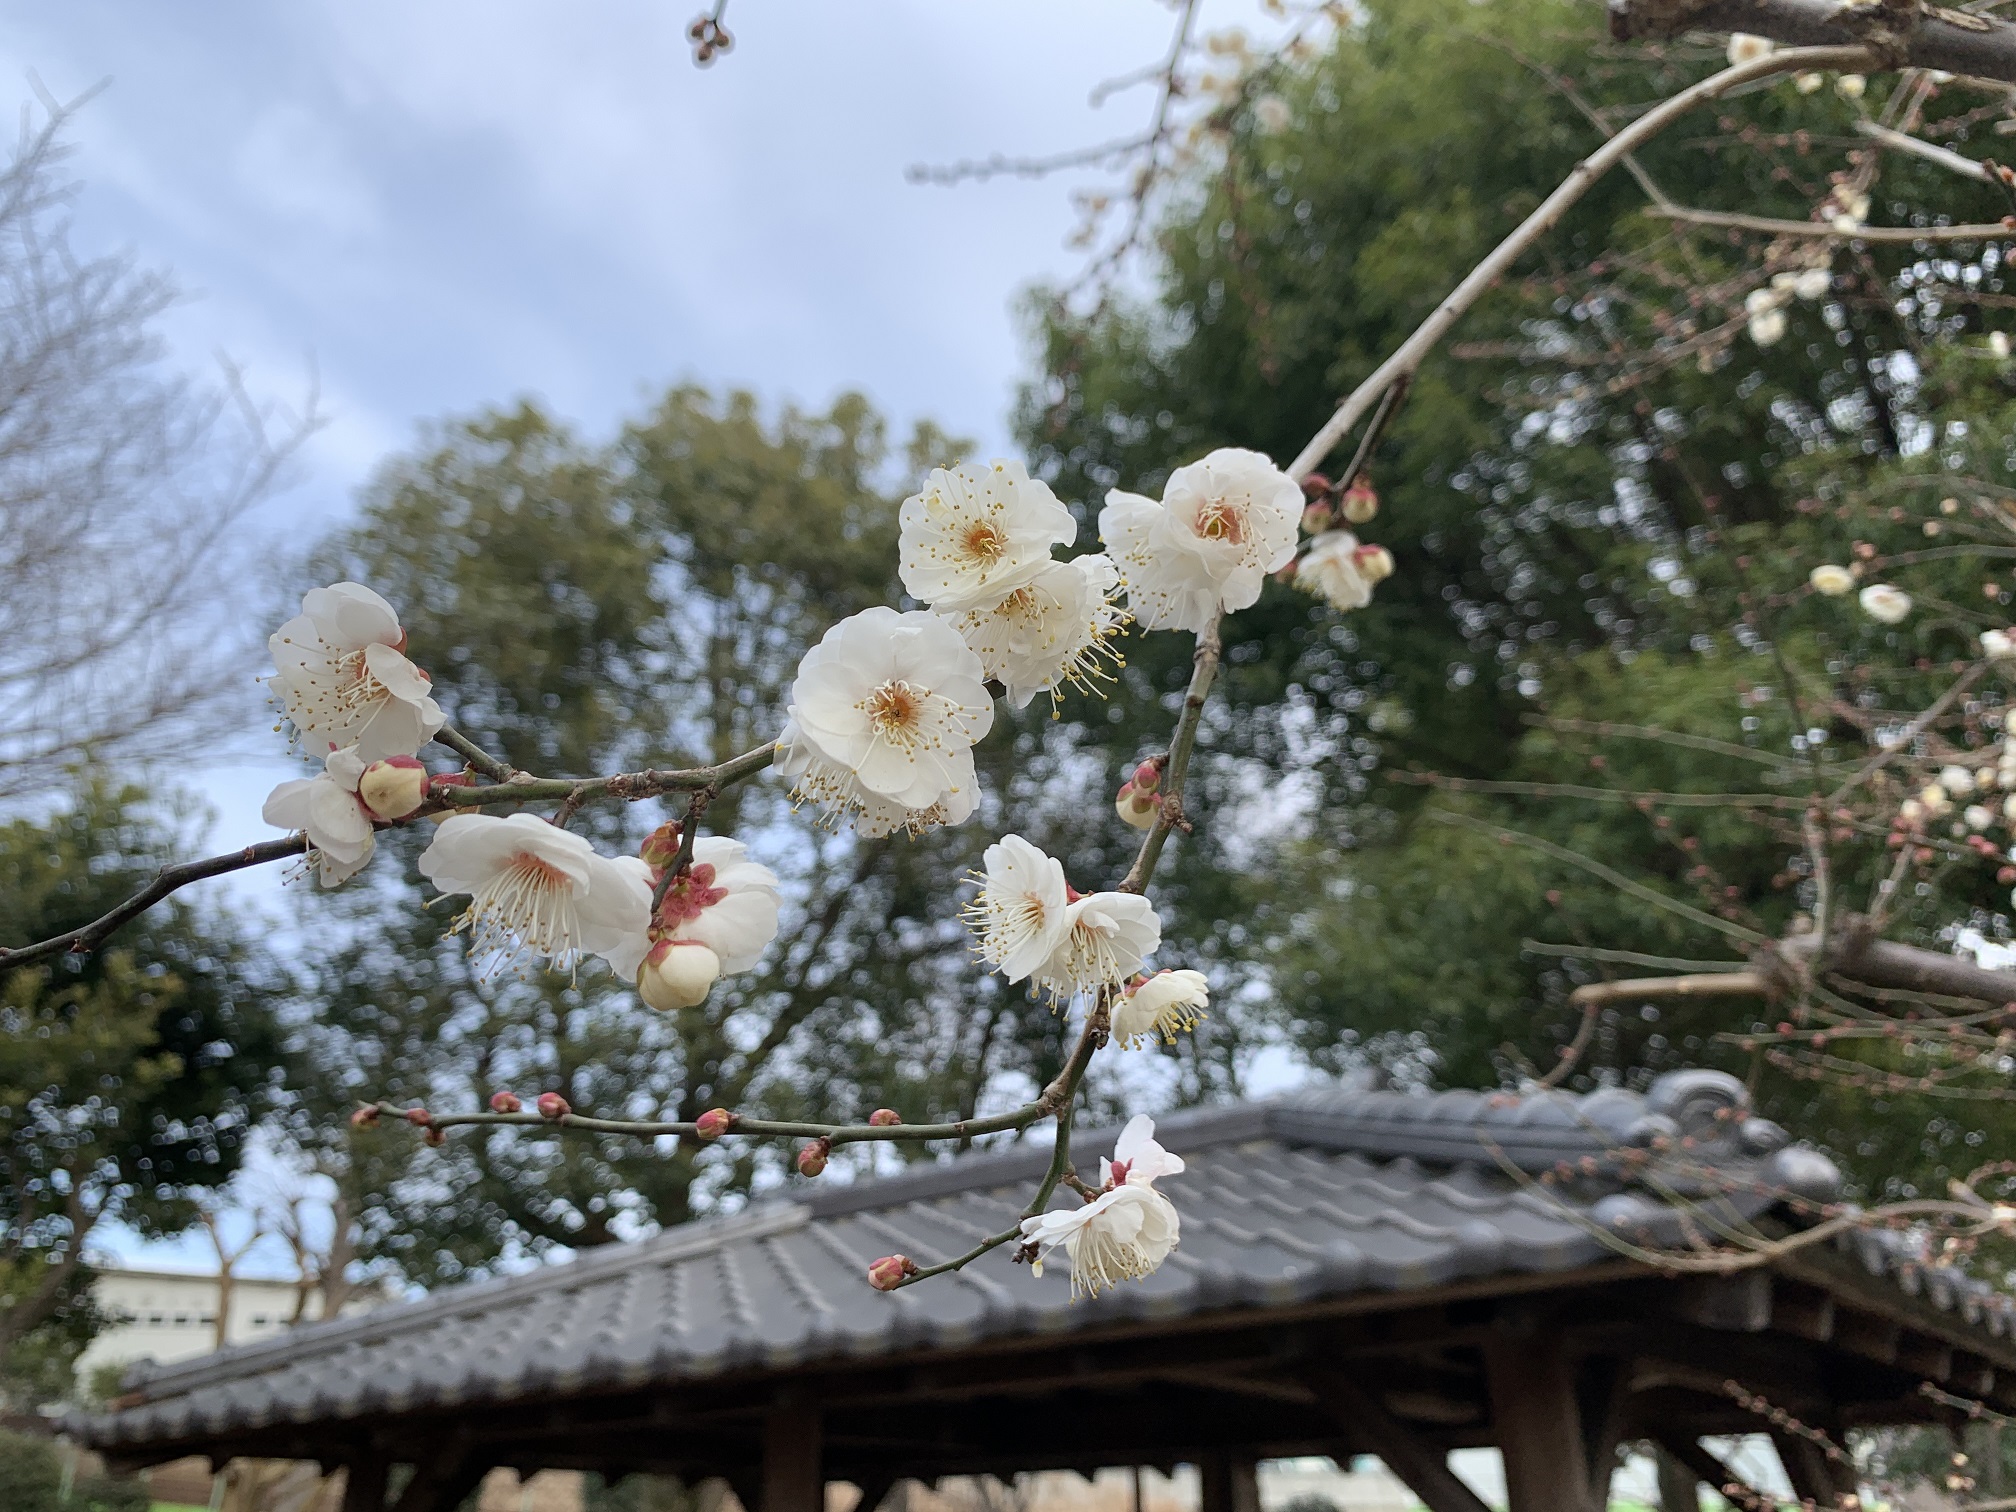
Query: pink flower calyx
884, 1118
891, 1271
505, 1102
689, 893
420, 1118
812, 1158
714, 1123
394, 787
364, 1118
1117, 1176
553, 1105
1071, 894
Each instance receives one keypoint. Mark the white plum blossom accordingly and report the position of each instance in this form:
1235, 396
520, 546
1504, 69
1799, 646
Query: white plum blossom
1766, 316
1998, 645
1020, 915
883, 717
723, 901
1745, 47
1050, 633
1813, 283
1124, 1233
840, 797
1159, 1007
973, 535
1998, 345
1831, 580
1272, 115
343, 679
1956, 780
1340, 571
1885, 604
536, 890
1107, 935
1851, 87
328, 811
1223, 524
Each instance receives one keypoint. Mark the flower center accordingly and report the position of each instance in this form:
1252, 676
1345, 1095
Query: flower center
356, 689
526, 908
984, 542
1220, 521
896, 710
695, 891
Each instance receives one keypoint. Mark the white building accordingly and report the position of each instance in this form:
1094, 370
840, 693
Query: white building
172, 1315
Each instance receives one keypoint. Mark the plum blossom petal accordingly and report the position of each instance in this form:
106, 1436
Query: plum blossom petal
536, 890
1052, 632
1224, 523
1138, 1160
342, 679
1022, 912
1156, 1009
1107, 935
840, 797
1885, 604
973, 535
1122, 1235
328, 811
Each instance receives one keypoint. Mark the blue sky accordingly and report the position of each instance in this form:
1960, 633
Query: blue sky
425, 206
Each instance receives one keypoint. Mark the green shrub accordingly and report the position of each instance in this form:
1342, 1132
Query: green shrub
31, 1474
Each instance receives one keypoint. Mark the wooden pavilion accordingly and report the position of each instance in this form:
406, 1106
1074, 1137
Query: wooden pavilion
1360, 1273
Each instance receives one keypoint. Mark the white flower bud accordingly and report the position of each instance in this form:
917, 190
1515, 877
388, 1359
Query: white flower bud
1978, 816
1767, 328
2009, 808
1885, 604
1956, 780
1911, 810
1998, 645
1985, 779
1813, 283
1934, 799
1746, 48
677, 974
1851, 86
1136, 807
394, 787
1998, 345
1809, 83
1831, 580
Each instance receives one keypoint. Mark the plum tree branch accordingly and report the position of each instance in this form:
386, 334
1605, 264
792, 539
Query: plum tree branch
1901, 34
1408, 356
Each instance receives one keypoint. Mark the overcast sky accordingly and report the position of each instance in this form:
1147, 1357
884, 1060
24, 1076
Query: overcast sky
426, 206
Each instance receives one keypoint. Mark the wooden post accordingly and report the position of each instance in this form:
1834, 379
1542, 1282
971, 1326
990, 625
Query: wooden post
1230, 1483
1538, 1425
1421, 1466
364, 1483
793, 1480
1815, 1477
1679, 1487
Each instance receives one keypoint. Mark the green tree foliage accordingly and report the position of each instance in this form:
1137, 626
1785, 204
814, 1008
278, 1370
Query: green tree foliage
1603, 508
587, 608
130, 1079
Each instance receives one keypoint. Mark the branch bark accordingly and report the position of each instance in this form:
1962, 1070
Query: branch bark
1900, 35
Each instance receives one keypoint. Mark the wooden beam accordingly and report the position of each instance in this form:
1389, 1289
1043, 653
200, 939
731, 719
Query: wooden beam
873, 1489
1230, 1483
364, 1483
1538, 1424
440, 1484
1815, 1476
1679, 1487
793, 1478
1738, 1492
1422, 1467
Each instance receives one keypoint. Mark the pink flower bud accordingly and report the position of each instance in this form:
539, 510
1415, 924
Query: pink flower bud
394, 787
435, 1137
1148, 775
1376, 562
812, 1158
553, 1105
714, 1123
505, 1102
661, 847
1359, 503
677, 974
1137, 808
420, 1118
364, 1118
1315, 518
891, 1271
884, 1118
1315, 486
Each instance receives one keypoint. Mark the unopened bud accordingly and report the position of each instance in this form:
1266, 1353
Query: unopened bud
891, 1271
420, 1118
884, 1118
1359, 503
364, 1118
661, 847
1148, 775
1376, 562
1137, 808
505, 1102
553, 1105
677, 974
714, 1123
435, 1137
1315, 486
812, 1158
437, 785
394, 787
1315, 517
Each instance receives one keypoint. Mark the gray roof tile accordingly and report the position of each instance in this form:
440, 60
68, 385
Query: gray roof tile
1317, 1195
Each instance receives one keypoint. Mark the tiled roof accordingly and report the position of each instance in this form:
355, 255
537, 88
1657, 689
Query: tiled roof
1320, 1194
